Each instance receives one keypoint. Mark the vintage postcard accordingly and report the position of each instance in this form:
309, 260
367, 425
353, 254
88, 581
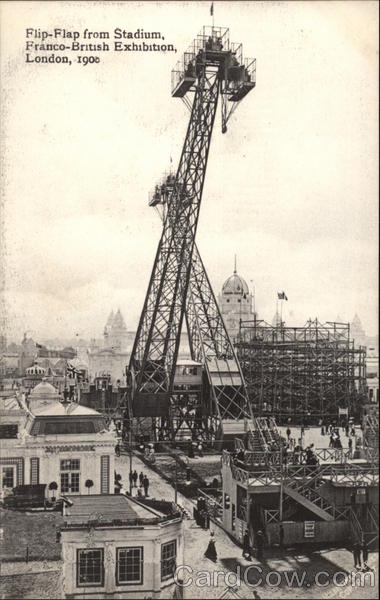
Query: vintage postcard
189, 353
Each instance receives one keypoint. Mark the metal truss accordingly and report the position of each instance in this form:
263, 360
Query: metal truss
211, 345
156, 344
309, 371
179, 285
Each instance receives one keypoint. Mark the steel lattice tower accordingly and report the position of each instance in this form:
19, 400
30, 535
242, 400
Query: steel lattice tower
179, 287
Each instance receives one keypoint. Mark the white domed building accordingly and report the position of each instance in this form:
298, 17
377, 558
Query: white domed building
235, 303
61, 442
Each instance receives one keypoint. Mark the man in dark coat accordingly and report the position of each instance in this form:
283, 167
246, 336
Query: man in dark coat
246, 546
260, 544
134, 478
356, 553
364, 549
141, 478
146, 485
281, 535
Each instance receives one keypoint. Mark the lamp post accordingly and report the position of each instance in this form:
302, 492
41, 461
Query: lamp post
175, 482
281, 484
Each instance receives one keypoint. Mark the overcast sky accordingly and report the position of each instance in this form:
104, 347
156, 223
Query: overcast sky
291, 188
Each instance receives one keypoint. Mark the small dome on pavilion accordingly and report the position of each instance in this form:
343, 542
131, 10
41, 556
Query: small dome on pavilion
35, 369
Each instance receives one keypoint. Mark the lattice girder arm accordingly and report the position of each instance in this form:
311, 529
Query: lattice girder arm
156, 344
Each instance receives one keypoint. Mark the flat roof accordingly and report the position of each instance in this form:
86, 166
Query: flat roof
108, 508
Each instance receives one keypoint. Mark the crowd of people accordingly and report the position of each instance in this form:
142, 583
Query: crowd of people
143, 482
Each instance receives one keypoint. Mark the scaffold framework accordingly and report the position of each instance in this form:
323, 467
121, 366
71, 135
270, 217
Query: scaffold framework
306, 373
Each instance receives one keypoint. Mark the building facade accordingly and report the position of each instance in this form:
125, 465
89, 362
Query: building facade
60, 442
118, 547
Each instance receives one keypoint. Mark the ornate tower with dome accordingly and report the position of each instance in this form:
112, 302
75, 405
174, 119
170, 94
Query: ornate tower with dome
357, 332
115, 332
235, 302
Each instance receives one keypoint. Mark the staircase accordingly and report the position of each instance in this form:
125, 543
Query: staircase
304, 490
256, 443
312, 501
264, 435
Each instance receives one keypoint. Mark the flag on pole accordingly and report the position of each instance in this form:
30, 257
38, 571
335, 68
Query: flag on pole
212, 9
282, 296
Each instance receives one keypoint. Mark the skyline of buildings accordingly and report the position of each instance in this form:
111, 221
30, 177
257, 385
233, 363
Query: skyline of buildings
236, 299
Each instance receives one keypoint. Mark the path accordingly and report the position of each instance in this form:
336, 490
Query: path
209, 576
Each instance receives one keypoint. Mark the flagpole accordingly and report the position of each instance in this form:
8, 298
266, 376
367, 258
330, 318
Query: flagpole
281, 301
65, 384
277, 311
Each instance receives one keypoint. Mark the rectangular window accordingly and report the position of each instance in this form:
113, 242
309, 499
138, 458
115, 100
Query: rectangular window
65, 483
75, 482
168, 559
8, 478
70, 483
70, 464
129, 565
8, 431
70, 476
34, 471
90, 567
105, 475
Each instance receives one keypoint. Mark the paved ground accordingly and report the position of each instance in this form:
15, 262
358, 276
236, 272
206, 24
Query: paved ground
281, 574
207, 583
314, 436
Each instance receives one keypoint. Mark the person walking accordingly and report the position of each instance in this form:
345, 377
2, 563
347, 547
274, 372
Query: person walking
288, 432
146, 485
130, 479
356, 553
281, 536
200, 449
364, 549
260, 544
246, 546
134, 478
350, 448
141, 478
211, 549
